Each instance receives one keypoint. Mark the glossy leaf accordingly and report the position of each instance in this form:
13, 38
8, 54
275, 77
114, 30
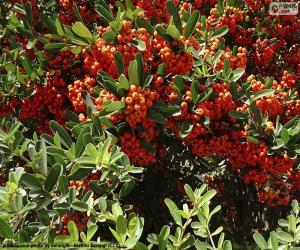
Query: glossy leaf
52, 178
173, 11
173, 211
5, 230
191, 24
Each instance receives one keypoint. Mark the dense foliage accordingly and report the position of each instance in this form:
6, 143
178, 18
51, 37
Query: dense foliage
108, 107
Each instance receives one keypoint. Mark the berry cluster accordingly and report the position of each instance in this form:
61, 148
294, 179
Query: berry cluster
76, 89
269, 49
80, 219
102, 54
177, 61
138, 101
83, 185
133, 147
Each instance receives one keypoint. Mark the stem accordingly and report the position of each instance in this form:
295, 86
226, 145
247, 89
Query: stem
188, 221
210, 237
17, 222
17, 154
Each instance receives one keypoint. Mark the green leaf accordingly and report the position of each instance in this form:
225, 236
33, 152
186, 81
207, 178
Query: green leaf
129, 5
191, 24
63, 239
104, 5
295, 206
109, 36
80, 206
194, 90
284, 236
161, 69
123, 82
76, 50
227, 69
97, 127
73, 231
292, 122
201, 245
43, 160
163, 237
217, 56
114, 106
173, 32
81, 30
207, 197
130, 242
76, 12
88, 101
140, 68
173, 11
143, 23
135, 226
119, 62
188, 243
116, 235
54, 47
28, 207
5, 230
126, 188
279, 144
30, 181
221, 240
217, 231
43, 216
83, 236
190, 193
26, 64
274, 240
252, 139
204, 25
63, 184
48, 23
133, 73
170, 110
102, 204
121, 228
173, 211
107, 15
227, 245
140, 45
238, 114
292, 223
237, 74
140, 246
92, 229
204, 95
263, 93
59, 27
52, 178
156, 116
260, 241
16, 176
179, 83
234, 90
186, 127
65, 137
163, 33
219, 32
109, 85
256, 112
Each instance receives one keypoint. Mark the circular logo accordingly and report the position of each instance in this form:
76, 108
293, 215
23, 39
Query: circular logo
274, 8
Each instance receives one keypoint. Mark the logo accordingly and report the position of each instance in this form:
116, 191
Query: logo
284, 8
